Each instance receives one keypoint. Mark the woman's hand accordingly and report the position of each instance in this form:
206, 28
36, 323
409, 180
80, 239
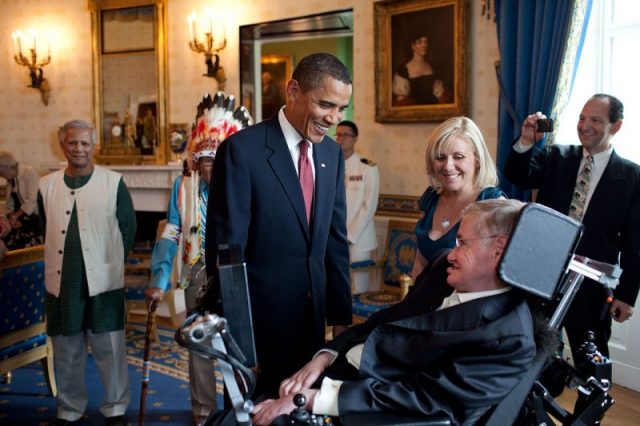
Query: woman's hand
307, 375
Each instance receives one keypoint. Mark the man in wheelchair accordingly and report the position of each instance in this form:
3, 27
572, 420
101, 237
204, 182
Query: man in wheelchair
449, 349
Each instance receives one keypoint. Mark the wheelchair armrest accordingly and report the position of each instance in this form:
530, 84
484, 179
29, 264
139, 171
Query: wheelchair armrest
388, 419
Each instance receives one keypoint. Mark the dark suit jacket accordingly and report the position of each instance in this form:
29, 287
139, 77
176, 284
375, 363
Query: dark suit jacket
451, 362
611, 222
298, 274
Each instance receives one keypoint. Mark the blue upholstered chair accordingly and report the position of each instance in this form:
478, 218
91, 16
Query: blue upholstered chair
395, 267
23, 337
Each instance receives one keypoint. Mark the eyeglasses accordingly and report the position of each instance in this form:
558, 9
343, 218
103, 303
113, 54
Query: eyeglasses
344, 135
461, 242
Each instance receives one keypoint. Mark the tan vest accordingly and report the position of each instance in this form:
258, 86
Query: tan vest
102, 245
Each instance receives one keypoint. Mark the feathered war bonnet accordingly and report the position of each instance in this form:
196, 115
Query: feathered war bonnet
215, 122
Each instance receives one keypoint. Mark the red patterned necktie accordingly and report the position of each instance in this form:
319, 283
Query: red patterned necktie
306, 177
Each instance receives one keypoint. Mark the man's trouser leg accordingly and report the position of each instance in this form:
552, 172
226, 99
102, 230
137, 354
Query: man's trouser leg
362, 280
110, 352
70, 363
201, 370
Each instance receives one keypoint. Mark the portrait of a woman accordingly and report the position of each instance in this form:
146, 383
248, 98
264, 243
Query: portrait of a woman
417, 82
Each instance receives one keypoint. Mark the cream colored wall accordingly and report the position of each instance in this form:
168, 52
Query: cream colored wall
28, 127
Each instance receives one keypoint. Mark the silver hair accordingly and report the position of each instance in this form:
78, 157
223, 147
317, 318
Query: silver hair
76, 124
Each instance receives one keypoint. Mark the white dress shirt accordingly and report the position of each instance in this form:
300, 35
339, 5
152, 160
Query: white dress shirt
293, 138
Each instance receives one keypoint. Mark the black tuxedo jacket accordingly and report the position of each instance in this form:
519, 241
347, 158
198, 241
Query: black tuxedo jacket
298, 273
453, 362
611, 222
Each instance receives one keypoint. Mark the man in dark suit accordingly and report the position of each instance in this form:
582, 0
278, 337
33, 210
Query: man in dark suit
279, 193
611, 209
454, 358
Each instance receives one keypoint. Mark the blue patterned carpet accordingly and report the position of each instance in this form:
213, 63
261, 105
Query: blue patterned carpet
26, 400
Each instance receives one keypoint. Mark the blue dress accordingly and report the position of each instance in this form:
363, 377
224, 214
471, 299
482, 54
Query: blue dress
430, 248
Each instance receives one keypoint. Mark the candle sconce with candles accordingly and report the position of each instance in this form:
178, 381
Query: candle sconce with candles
30, 60
208, 47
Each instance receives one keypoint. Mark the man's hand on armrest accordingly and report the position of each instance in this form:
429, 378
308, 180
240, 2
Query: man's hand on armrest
307, 375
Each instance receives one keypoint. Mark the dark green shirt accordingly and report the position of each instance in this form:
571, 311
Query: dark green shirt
74, 310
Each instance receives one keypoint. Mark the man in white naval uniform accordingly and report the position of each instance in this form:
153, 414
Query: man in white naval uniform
362, 182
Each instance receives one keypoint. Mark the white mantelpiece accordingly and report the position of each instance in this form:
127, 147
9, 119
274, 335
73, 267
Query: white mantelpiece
150, 186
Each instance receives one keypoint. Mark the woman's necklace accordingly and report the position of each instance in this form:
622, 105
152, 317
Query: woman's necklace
445, 222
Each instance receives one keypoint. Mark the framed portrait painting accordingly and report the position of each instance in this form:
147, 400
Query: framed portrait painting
420, 60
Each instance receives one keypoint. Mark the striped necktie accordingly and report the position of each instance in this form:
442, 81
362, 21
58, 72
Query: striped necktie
579, 200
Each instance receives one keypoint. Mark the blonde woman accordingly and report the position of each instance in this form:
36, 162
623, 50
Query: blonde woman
460, 171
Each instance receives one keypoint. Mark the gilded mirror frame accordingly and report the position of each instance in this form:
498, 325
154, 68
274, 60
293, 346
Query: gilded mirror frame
161, 150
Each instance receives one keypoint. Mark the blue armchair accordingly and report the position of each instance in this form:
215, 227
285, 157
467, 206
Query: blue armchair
23, 337
396, 266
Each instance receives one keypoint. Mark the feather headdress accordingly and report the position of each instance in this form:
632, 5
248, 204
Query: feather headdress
215, 122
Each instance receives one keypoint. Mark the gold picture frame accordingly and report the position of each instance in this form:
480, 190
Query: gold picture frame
420, 60
275, 72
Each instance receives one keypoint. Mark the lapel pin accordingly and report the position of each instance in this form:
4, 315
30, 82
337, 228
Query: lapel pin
322, 165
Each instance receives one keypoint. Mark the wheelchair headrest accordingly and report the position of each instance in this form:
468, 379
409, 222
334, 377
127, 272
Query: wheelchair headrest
539, 250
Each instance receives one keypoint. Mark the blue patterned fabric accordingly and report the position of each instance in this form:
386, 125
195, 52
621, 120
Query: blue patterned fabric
134, 293
399, 262
401, 252
22, 296
23, 346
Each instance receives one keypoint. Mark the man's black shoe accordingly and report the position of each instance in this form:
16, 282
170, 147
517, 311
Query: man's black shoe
117, 421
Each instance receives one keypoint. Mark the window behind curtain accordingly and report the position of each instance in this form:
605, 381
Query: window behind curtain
609, 64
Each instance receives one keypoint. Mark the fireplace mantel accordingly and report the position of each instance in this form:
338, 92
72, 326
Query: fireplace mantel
150, 186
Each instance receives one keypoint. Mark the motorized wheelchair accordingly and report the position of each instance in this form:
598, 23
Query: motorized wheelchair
539, 260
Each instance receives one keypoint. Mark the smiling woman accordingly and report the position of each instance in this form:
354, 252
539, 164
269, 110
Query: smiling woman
460, 171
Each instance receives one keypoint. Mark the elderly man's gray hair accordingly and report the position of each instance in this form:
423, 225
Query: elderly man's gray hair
77, 124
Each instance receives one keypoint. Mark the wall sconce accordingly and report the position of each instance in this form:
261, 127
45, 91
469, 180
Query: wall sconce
208, 47
30, 60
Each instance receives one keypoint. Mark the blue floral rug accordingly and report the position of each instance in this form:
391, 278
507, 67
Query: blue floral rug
26, 400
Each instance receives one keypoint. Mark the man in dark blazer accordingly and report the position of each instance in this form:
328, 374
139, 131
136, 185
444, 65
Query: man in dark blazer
453, 358
612, 211
297, 254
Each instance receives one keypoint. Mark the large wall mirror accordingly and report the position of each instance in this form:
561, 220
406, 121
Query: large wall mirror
129, 69
270, 50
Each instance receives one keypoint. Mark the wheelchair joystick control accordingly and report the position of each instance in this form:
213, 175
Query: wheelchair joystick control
588, 346
300, 415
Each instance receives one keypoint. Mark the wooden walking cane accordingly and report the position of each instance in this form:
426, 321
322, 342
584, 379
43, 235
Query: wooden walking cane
151, 316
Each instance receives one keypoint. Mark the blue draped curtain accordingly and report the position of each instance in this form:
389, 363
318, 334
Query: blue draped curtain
535, 42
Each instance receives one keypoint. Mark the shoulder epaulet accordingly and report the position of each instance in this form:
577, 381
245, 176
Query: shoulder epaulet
368, 162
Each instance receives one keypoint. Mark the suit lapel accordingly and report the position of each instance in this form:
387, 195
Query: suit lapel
569, 175
607, 189
320, 161
282, 166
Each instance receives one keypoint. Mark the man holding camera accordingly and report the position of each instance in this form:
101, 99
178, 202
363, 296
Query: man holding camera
595, 186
